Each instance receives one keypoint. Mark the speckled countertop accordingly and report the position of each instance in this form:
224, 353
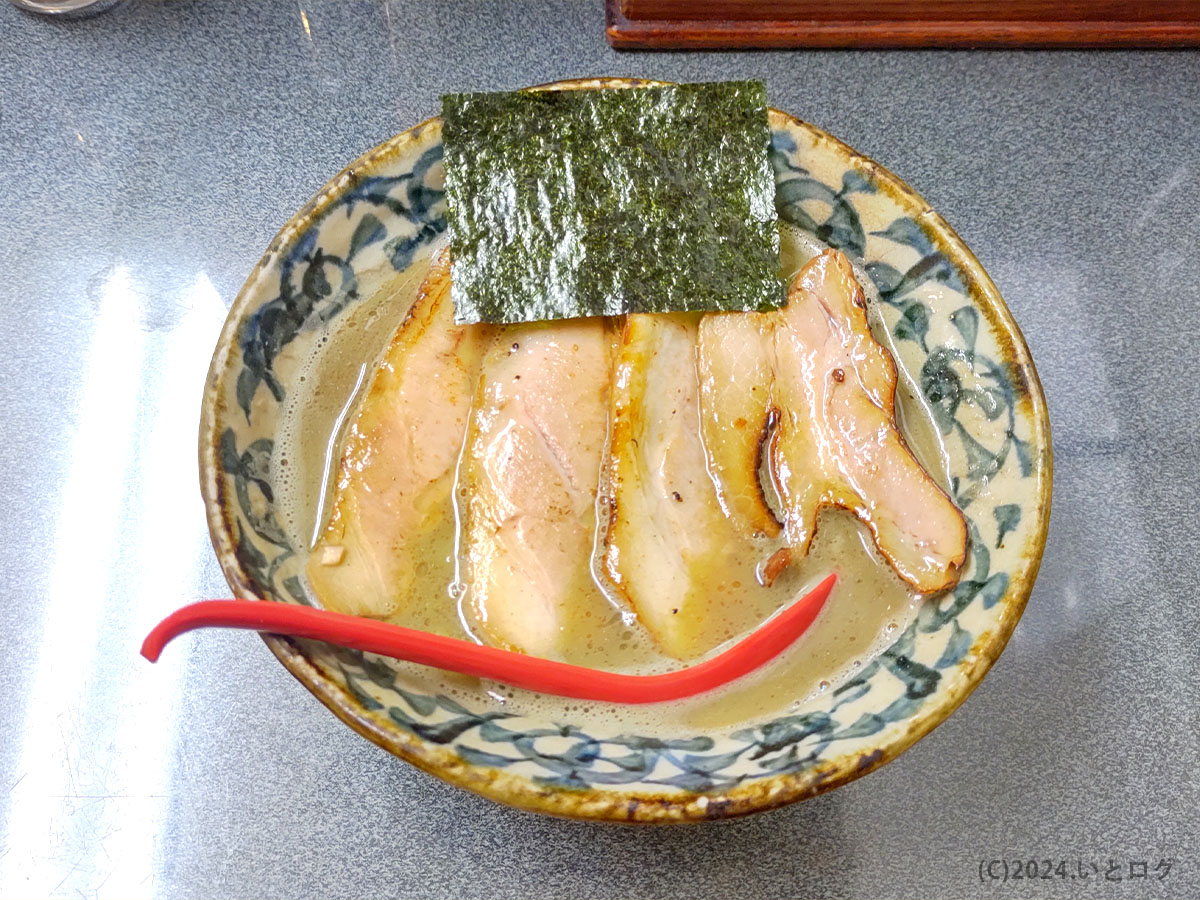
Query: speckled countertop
147, 156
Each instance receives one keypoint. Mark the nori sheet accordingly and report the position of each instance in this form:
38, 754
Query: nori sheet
603, 202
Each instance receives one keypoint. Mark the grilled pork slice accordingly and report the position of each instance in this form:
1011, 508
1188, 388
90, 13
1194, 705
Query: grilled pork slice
837, 443
668, 540
530, 476
397, 468
735, 407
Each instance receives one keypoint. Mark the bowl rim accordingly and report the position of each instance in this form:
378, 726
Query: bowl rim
611, 805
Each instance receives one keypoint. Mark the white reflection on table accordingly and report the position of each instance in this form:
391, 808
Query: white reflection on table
97, 747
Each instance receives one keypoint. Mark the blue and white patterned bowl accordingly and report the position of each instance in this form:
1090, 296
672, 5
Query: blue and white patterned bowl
380, 216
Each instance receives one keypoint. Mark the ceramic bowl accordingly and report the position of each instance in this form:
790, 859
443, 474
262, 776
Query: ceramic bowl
951, 330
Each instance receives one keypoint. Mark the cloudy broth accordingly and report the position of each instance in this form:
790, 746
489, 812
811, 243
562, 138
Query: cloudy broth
869, 608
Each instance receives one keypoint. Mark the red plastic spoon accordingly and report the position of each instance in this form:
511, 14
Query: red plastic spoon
530, 672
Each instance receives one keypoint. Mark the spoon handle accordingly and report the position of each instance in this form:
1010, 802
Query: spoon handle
506, 666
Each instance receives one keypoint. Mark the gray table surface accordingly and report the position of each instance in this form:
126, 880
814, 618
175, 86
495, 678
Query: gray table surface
148, 155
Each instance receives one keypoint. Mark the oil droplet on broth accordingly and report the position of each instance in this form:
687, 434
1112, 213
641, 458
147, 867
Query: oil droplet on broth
870, 604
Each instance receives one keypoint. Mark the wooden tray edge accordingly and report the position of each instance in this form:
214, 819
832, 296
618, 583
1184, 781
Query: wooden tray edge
628, 34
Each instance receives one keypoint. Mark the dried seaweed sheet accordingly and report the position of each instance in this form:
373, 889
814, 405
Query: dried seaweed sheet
603, 202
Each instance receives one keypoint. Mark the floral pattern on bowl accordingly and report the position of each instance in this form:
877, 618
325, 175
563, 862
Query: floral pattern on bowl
948, 327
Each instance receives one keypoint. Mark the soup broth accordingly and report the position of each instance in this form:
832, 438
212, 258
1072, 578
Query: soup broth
868, 609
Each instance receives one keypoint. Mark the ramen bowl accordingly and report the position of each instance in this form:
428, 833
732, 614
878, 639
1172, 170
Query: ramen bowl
379, 220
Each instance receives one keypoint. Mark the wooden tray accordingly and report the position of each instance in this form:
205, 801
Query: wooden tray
718, 24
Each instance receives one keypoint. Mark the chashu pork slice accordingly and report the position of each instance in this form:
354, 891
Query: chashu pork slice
529, 479
837, 443
736, 409
668, 539
397, 468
